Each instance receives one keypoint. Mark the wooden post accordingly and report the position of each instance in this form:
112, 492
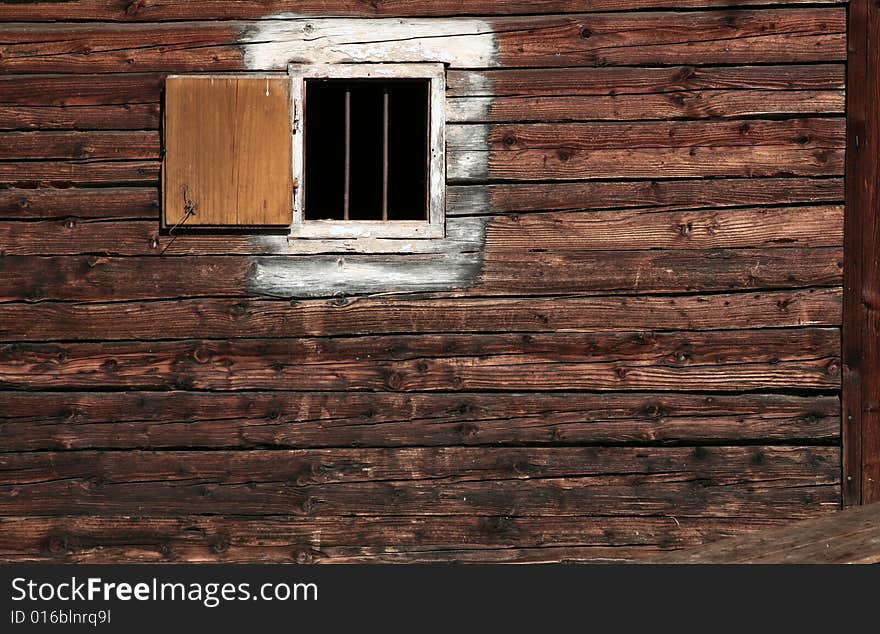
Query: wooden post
861, 310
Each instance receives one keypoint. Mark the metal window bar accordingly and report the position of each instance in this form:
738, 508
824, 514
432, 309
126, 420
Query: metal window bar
347, 194
385, 118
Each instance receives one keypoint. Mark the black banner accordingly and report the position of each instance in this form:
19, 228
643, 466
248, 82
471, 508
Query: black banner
236, 598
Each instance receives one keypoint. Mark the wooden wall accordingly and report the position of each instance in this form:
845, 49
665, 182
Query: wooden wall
643, 352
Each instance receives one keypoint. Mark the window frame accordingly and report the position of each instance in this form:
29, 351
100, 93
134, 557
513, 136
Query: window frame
435, 226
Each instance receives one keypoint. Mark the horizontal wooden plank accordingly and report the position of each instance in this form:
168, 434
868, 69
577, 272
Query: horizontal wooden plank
824, 133
146, 88
303, 467
106, 203
509, 272
93, 278
74, 101
779, 226
802, 133
143, 203
220, 318
128, 117
194, 538
15, 146
76, 91
695, 162
506, 95
663, 194
618, 81
654, 38
153, 420
726, 361
111, 10
762, 482
573, 231
80, 172
801, 147
847, 537
695, 104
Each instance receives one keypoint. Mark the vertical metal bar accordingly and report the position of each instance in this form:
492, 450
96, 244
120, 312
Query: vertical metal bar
347, 196
385, 154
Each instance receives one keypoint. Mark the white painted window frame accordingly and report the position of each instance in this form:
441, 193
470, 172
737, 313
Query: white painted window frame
435, 226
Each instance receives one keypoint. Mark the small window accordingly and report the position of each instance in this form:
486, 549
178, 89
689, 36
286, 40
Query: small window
328, 151
368, 150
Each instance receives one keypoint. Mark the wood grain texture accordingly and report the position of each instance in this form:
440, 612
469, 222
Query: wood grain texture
227, 151
628, 342
127, 117
696, 104
668, 271
158, 10
617, 81
632, 93
847, 537
379, 538
728, 361
654, 194
16, 146
213, 318
63, 174
97, 278
811, 147
655, 38
142, 203
116, 203
783, 227
38, 421
762, 482
862, 271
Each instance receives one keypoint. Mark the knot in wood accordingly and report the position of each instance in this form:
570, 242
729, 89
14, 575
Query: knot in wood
57, 545
219, 545
134, 7
586, 33
302, 556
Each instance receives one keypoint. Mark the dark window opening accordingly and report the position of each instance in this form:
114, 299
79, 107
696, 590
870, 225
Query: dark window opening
367, 152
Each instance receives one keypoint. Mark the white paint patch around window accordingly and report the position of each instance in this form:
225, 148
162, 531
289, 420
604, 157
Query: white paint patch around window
458, 43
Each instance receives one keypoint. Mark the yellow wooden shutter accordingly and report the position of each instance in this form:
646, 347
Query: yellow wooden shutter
227, 152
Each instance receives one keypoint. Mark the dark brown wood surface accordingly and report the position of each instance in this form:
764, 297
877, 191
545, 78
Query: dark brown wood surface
35, 421
794, 35
234, 9
640, 349
862, 272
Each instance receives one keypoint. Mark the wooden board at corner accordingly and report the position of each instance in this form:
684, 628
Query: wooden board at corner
847, 537
227, 151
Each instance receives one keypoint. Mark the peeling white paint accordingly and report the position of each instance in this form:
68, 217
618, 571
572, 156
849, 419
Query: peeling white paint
371, 265
328, 276
468, 109
462, 43
377, 265
467, 153
462, 234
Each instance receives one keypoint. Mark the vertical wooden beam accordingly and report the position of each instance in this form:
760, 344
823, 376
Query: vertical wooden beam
861, 322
